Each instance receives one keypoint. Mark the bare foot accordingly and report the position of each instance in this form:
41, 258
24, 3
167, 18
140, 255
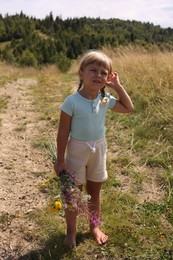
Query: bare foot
100, 237
70, 241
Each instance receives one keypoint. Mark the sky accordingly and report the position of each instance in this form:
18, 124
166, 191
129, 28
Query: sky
158, 12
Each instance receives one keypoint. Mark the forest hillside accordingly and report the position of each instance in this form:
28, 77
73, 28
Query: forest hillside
28, 41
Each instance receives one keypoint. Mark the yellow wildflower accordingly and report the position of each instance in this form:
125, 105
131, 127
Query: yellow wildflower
55, 206
58, 204
70, 206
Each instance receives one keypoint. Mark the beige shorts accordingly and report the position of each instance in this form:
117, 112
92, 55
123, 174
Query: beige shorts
87, 160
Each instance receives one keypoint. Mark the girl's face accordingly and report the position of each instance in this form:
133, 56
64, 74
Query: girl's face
94, 76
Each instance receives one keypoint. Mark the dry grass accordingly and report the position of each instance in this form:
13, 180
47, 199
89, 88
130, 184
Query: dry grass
137, 198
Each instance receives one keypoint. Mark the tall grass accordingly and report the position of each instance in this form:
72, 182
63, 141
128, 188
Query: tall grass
137, 198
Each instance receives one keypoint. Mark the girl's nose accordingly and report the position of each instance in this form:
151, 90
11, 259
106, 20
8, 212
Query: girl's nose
98, 74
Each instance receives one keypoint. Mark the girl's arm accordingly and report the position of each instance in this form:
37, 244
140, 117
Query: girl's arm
62, 137
124, 104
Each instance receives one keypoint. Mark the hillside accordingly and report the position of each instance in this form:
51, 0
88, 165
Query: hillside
137, 198
28, 41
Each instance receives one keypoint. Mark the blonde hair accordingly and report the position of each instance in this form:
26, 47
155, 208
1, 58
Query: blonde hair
95, 57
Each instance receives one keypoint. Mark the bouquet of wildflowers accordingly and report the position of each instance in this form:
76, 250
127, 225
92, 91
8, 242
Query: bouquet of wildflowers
73, 198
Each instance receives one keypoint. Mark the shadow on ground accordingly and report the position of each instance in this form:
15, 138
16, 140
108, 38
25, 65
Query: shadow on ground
54, 249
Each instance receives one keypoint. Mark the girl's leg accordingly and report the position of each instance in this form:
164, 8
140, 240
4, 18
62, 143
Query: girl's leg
93, 189
71, 217
70, 239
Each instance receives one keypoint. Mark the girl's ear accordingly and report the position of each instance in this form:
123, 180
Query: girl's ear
110, 76
81, 74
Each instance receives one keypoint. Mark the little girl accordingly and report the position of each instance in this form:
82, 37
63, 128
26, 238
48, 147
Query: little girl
81, 143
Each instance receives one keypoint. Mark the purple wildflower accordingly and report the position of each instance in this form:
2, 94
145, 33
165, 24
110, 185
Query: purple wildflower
72, 196
94, 220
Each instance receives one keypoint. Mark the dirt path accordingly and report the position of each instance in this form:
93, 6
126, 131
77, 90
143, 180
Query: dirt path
20, 165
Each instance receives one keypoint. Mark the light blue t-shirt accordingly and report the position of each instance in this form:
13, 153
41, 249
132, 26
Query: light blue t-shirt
88, 116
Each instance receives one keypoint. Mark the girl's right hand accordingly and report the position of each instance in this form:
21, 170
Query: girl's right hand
59, 167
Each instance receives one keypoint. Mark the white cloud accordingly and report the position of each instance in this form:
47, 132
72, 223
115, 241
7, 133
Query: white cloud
159, 12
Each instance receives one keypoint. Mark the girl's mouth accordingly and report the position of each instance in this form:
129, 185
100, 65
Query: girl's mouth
96, 81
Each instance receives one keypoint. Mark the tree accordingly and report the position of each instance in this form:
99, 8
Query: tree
2, 30
28, 59
62, 62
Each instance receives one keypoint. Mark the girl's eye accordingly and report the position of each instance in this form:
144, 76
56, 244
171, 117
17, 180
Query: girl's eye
104, 73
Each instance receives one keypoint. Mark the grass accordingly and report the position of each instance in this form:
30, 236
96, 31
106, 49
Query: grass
137, 198
3, 102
